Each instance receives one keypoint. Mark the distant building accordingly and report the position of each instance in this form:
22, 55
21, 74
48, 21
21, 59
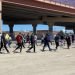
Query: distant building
39, 33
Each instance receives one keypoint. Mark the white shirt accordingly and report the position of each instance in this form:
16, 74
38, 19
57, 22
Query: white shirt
35, 37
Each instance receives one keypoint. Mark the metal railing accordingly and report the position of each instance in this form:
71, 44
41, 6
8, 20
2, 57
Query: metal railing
64, 3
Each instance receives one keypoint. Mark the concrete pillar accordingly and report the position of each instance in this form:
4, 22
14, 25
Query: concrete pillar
34, 28
74, 31
11, 25
50, 26
0, 16
50, 29
73, 28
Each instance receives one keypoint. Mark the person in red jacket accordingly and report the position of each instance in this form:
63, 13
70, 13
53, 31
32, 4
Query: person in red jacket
19, 42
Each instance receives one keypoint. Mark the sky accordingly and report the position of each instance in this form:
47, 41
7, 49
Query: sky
28, 27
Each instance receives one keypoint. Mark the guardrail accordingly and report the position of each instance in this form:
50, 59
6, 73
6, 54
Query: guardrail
64, 3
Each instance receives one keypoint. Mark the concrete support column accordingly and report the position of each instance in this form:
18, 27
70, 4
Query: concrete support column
50, 26
50, 29
74, 31
0, 16
11, 25
34, 28
73, 28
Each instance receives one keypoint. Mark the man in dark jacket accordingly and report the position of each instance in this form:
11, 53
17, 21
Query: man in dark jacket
57, 41
32, 40
68, 40
46, 42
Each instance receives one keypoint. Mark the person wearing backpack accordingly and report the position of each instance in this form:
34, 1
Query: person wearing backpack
46, 42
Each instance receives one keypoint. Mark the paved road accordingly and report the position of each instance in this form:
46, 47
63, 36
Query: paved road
61, 62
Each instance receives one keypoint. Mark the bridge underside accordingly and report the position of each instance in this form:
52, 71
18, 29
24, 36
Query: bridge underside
18, 14
23, 15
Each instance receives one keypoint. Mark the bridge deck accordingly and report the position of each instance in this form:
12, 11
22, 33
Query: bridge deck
43, 5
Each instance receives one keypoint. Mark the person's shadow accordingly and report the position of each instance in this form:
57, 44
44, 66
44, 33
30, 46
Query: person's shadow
16, 52
46, 50
30, 52
3, 53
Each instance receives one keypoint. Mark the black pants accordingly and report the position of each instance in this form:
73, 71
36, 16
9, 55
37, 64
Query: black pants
19, 47
46, 44
68, 45
4, 45
57, 44
32, 46
23, 45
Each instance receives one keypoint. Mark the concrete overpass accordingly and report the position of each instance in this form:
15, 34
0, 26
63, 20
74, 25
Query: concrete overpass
36, 12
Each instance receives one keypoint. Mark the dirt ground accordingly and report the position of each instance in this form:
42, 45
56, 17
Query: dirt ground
60, 62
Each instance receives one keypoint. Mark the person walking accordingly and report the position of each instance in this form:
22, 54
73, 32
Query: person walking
42, 39
61, 40
3, 43
32, 40
46, 42
28, 39
68, 40
35, 38
0, 39
23, 40
19, 42
73, 38
57, 41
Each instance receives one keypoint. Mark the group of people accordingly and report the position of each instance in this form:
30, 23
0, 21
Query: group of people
61, 40
22, 39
